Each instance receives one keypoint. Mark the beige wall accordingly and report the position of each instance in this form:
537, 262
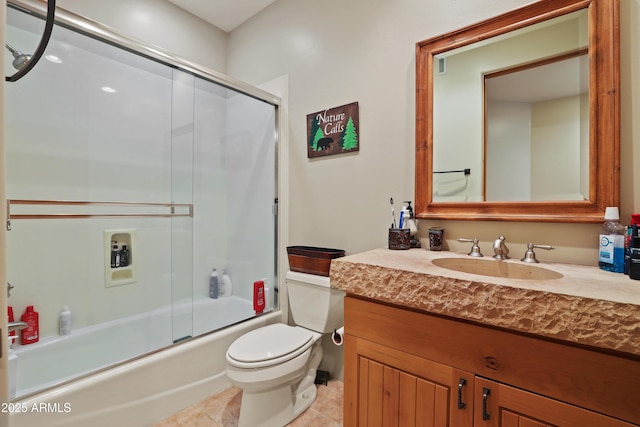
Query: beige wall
335, 52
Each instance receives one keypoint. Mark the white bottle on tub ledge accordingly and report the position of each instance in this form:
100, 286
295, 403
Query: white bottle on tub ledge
226, 287
65, 321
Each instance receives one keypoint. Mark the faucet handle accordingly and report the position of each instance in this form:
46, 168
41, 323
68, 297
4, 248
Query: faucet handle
475, 248
530, 255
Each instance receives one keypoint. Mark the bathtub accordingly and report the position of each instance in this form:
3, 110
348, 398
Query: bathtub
139, 392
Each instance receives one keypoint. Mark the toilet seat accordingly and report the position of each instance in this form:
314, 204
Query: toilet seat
269, 345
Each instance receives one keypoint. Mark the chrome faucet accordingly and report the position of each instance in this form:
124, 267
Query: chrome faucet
16, 326
500, 249
9, 287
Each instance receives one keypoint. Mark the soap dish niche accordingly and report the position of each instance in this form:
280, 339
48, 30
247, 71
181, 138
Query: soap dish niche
119, 257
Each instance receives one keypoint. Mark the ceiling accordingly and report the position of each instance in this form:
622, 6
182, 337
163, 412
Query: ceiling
224, 14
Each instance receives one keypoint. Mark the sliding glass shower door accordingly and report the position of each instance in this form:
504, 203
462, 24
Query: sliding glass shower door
129, 182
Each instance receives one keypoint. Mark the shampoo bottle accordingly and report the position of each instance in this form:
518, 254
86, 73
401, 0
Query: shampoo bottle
10, 319
31, 333
124, 256
65, 321
213, 284
226, 287
612, 235
258, 296
115, 255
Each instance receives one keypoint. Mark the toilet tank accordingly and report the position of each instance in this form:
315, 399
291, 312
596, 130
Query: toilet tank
313, 304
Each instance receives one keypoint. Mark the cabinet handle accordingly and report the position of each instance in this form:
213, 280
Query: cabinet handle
485, 396
461, 384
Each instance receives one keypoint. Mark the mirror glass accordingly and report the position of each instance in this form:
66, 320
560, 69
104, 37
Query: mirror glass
506, 109
517, 117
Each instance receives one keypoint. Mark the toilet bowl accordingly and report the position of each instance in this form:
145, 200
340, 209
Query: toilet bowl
276, 365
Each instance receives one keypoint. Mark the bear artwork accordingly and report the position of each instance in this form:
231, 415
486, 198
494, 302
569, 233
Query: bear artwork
323, 143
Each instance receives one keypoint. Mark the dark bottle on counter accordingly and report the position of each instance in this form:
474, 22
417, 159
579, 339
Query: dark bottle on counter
632, 231
634, 259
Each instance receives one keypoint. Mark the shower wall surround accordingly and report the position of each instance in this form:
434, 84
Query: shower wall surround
95, 122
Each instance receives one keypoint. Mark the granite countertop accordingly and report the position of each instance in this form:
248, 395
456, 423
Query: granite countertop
586, 305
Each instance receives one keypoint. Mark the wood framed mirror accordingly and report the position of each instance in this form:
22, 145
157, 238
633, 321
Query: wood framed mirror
457, 162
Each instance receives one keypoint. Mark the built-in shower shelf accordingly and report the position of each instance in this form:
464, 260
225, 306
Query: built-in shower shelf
119, 269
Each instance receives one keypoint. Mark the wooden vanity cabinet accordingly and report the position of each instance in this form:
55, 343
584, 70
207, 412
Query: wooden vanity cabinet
408, 368
393, 388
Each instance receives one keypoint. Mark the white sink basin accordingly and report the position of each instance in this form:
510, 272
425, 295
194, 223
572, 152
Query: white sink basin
495, 268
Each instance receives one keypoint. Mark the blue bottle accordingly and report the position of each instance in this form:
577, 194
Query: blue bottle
612, 235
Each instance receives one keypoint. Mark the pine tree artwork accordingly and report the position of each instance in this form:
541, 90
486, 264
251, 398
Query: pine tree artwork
333, 131
349, 136
316, 134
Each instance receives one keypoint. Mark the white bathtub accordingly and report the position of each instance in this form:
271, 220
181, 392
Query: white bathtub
137, 393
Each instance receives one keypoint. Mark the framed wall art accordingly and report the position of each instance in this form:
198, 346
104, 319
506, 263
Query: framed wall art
333, 131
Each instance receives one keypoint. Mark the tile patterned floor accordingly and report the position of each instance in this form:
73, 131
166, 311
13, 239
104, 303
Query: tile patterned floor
221, 410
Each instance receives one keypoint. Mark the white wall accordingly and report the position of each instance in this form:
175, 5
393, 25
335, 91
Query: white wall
556, 148
160, 23
508, 171
336, 52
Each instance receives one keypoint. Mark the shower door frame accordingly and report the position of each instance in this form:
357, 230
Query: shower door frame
106, 34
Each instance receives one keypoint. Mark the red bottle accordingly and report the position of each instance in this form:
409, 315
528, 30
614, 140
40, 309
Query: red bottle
31, 333
10, 318
258, 296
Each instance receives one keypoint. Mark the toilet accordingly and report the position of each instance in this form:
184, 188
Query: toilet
275, 365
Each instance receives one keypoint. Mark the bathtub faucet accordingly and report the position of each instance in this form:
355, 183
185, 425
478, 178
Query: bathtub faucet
16, 326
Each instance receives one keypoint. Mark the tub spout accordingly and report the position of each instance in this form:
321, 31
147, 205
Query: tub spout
16, 326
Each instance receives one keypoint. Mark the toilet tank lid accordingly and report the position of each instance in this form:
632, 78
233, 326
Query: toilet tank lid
311, 279
269, 342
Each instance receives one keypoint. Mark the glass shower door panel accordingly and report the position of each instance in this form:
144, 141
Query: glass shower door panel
250, 146
93, 125
234, 188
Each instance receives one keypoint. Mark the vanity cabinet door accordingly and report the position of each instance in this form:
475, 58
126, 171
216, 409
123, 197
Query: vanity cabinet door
388, 388
499, 405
